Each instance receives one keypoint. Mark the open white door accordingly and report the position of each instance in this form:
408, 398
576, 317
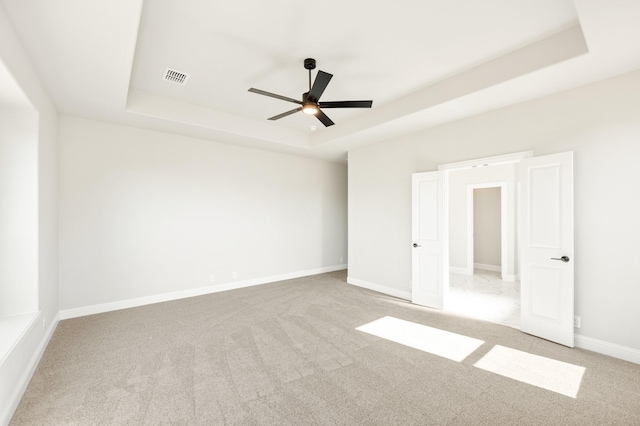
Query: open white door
547, 247
430, 266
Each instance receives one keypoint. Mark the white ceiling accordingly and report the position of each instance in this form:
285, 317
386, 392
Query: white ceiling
423, 62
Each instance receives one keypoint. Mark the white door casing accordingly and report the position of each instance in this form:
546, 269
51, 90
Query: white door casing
504, 241
430, 259
547, 281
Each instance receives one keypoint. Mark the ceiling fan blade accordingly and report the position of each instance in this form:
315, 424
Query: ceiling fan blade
273, 95
346, 104
284, 114
325, 120
320, 83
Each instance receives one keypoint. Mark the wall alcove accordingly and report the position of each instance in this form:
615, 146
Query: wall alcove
19, 307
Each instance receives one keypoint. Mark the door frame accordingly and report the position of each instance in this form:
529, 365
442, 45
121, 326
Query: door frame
503, 226
488, 161
446, 169
516, 158
512, 208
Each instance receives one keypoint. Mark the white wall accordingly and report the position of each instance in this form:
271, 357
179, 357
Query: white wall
17, 367
18, 212
144, 213
486, 226
600, 123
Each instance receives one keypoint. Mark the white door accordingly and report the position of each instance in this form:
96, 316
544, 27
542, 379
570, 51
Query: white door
430, 260
547, 247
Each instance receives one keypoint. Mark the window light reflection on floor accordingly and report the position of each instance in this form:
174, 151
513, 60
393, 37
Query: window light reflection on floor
455, 347
543, 372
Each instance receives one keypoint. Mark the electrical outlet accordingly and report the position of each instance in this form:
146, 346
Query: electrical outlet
212, 278
341, 259
44, 324
234, 275
576, 321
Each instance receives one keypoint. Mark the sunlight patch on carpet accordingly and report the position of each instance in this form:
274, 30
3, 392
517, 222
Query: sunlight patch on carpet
546, 373
453, 346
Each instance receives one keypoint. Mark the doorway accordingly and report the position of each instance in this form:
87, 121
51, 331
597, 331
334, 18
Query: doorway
480, 197
486, 234
443, 228
487, 228
545, 246
486, 290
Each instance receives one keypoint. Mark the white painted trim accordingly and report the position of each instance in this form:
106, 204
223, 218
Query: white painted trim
510, 278
457, 270
489, 161
406, 295
504, 214
607, 348
485, 267
18, 392
166, 297
470, 229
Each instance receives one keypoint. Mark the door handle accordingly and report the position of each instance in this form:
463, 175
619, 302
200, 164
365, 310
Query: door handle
565, 259
416, 245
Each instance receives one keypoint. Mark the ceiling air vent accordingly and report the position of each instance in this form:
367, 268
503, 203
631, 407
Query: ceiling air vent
176, 77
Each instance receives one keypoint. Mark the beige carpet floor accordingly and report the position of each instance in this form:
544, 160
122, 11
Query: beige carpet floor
289, 353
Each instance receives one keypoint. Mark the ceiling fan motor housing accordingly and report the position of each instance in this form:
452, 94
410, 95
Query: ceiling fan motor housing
310, 64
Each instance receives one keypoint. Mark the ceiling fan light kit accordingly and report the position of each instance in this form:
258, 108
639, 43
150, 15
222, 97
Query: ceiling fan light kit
310, 108
310, 103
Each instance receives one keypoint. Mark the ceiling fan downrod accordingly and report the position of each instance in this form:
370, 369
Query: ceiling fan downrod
310, 64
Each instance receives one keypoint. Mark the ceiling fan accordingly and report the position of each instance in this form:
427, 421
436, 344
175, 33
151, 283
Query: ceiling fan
310, 103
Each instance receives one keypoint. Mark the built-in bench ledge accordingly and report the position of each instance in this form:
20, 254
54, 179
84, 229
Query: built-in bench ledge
12, 330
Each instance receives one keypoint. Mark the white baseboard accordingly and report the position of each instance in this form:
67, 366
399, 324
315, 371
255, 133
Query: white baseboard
406, 295
200, 291
606, 348
25, 378
461, 271
486, 267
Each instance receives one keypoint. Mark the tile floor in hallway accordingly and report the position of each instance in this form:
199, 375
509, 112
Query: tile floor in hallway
486, 296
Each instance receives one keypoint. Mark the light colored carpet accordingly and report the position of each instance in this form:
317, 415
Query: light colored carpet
288, 353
